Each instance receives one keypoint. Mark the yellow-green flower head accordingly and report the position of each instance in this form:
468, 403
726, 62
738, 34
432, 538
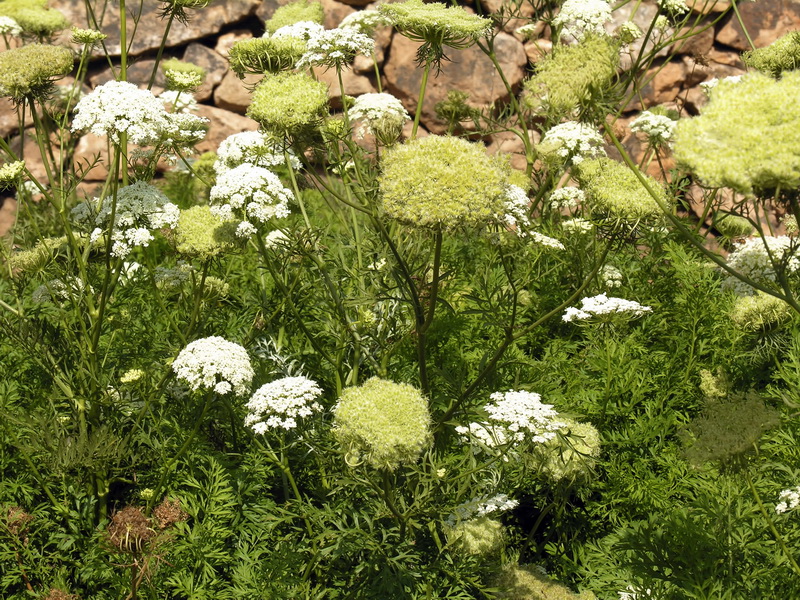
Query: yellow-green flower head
714, 386
479, 537
294, 12
258, 56
442, 182
35, 259
790, 224
382, 423
31, 69
530, 582
11, 172
571, 76
571, 456
436, 23
88, 37
34, 17
747, 137
183, 76
781, 55
203, 234
289, 103
759, 312
612, 188
732, 226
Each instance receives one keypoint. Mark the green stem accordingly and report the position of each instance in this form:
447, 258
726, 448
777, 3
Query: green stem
422, 87
160, 51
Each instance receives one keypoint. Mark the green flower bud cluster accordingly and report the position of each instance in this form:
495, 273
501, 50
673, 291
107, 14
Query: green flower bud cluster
203, 234
612, 188
571, 455
436, 23
11, 172
530, 582
759, 312
424, 184
34, 17
289, 103
30, 70
746, 137
88, 37
714, 386
295, 12
382, 423
781, 55
183, 76
35, 259
733, 226
258, 56
482, 536
571, 75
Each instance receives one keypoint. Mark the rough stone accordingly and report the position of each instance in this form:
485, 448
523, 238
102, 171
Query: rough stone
213, 63
354, 84
536, 50
645, 14
766, 21
222, 123
468, 70
87, 150
202, 23
707, 7
698, 44
139, 72
233, 94
511, 144
8, 214
515, 13
227, 40
364, 64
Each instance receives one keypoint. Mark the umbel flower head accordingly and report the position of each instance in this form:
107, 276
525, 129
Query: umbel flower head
571, 76
9, 26
602, 307
781, 55
424, 183
288, 104
579, 18
34, 17
183, 76
572, 454
281, 404
214, 364
201, 233
88, 37
529, 582
435, 25
570, 143
482, 536
382, 423
612, 188
759, 312
294, 12
382, 115
254, 147
30, 70
365, 21
747, 137
11, 172
335, 48
759, 258
258, 56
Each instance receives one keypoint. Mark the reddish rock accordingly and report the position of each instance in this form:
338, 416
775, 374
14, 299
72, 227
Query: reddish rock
536, 50
213, 63
468, 70
222, 123
354, 84
515, 14
766, 21
506, 142
663, 84
8, 214
364, 65
233, 93
707, 7
202, 23
91, 157
224, 42
699, 43
726, 57
139, 72
336, 11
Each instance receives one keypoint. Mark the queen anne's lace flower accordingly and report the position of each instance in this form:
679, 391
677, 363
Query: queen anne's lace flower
253, 147
674, 8
179, 102
376, 111
602, 305
9, 26
250, 192
214, 364
571, 142
279, 404
481, 507
788, 500
752, 259
364, 21
10, 173
581, 17
523, 416
610, 276
335, 48
657, 128
566, 197
302, 30
577, 226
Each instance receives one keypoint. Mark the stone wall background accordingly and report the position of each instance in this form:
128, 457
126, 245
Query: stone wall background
674, 78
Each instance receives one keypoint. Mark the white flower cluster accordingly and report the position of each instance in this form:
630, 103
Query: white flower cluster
179, 102
572, 141
528, 31
374, 109
610, 276
214, 363
709, 85
302, 30
546, 241
566, 197
516, 210
9, 26
140, 208
601, 305
483, 435
119, 107
788, 500
335, 48
752, 259
480, 507
253, 193
523, 415
365, 21
582, 17
673, 8
254, 147
657, 128
279, 404
577, 226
